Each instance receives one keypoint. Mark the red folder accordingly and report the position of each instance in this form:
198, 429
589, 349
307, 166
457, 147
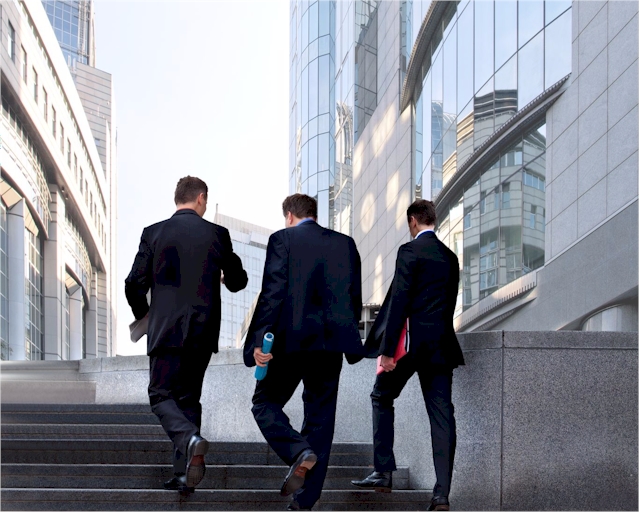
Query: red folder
401, 348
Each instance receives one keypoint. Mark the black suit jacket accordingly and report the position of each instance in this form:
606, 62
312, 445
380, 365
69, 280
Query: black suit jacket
180, 261
424, 289
311, 296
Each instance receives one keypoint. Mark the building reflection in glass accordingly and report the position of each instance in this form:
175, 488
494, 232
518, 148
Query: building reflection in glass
496, 228
486, 61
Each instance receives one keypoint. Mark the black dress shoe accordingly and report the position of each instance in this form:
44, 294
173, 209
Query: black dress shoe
439, 503
294, 506
298, 471
196, 451
178, 483
379, 481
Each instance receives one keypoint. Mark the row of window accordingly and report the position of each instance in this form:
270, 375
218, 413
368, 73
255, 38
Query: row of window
58, 130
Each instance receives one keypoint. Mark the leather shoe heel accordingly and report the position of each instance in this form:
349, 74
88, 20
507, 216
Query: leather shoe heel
439, 503
196, 451
298, 471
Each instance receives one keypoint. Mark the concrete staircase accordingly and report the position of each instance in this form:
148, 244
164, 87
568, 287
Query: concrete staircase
81, 457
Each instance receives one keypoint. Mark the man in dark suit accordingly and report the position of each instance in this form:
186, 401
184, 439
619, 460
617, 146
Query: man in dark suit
311, 301
180, 260
424, 290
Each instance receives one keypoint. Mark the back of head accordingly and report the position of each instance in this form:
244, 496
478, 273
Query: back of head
300, 205
188, 190
423, 211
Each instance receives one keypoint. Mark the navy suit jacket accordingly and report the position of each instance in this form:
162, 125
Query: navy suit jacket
180, 261
311, 297
424, 290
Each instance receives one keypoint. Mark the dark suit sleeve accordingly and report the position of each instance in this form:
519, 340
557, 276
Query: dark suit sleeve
399, 302
235, 277
356, 285
272, 296
137, 284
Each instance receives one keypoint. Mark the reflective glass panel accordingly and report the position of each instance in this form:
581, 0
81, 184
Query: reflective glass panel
530, 19
530, 70
506, 16
449, 85
483, 42
465, 58
506, 91
552, 8
557, 59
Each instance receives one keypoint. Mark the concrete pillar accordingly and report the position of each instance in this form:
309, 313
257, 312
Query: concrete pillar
54, 280
75, 314
92, 318
103, 346
17, 256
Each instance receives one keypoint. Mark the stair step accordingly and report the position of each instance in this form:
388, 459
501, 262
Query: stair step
82, 431
160, 452
38, 499
77, 414
146, 477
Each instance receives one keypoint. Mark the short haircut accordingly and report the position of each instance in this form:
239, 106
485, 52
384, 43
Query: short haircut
300, 205
188, 189
424, 212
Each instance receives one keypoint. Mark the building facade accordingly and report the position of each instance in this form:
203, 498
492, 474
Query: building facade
509, 115
58, 197
250, 244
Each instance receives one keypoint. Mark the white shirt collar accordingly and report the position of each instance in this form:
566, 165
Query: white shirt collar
420, 233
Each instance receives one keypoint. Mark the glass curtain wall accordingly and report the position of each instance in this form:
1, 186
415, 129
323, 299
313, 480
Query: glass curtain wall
312, 101
34, 322
71, 27
4, 284
486, 61
496, 227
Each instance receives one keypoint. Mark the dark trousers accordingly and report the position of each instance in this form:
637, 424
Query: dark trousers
319, 372
175, 386
436, 390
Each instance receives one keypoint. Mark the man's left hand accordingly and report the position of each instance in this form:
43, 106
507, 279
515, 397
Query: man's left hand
387, 363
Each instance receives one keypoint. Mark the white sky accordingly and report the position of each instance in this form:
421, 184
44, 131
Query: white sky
202, 89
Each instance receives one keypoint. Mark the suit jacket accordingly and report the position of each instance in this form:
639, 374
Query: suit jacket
424, 289
311, 296
180, 261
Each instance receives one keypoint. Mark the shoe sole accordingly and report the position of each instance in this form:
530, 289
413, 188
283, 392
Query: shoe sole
380, 489
441, 508
295, 482
196, 467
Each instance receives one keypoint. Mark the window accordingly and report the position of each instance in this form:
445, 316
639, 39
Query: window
61, 138
45, 97
35, 85
53, 121
75, 166
81, 181
24, 65
66, 348
11, 43
69, 153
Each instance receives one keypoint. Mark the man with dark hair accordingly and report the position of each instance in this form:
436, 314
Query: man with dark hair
180, 260
311, 301
424, 291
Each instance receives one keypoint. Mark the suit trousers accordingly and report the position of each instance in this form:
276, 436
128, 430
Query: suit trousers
436, 383
175, 387
319, 372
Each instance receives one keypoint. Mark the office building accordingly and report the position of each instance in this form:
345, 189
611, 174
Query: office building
518, 119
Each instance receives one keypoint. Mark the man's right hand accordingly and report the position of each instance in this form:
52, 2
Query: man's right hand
260, 357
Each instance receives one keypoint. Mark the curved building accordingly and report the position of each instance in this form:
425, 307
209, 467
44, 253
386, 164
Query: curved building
517, 118
57, 190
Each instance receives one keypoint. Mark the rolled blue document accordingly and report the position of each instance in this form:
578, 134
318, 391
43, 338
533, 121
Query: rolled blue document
267, 344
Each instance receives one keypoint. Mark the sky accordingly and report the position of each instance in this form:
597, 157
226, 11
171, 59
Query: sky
201, 89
